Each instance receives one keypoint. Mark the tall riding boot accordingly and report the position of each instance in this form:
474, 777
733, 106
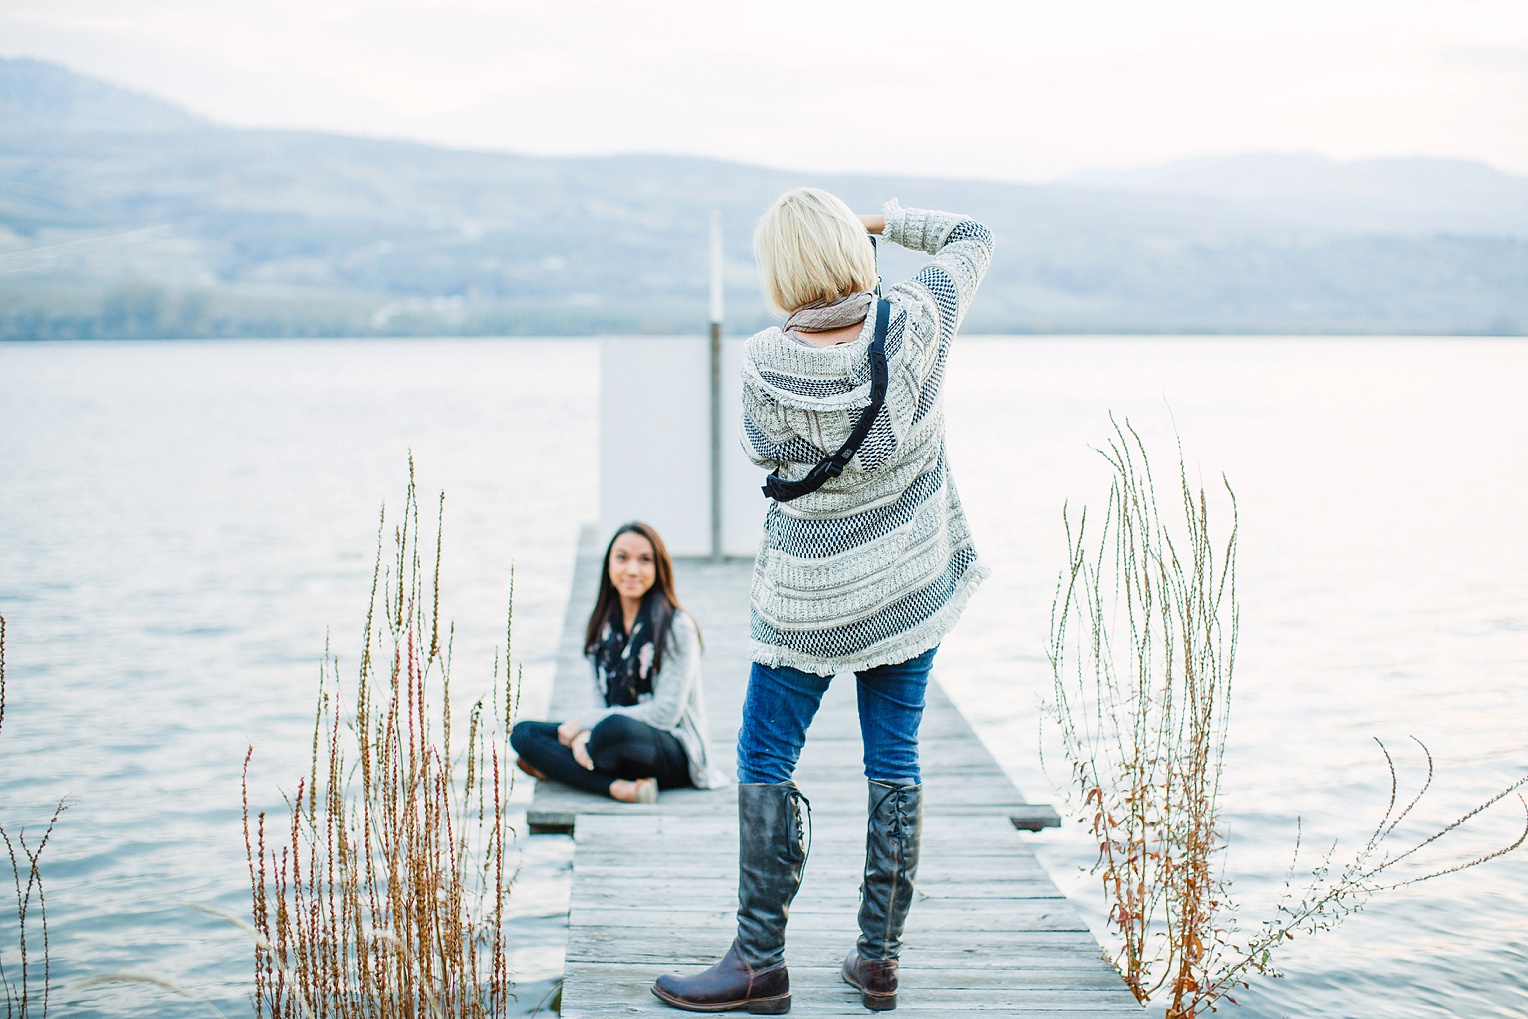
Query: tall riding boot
892, 837
771, 853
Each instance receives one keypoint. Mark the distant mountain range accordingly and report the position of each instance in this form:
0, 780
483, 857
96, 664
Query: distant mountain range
122, 216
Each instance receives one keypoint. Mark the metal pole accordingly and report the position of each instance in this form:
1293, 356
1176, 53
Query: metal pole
717, 278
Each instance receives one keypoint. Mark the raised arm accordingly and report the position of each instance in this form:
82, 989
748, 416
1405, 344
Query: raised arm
962, 250
928, 308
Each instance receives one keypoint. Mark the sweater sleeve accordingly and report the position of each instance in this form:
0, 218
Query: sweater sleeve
962, 250
935, 300
672, 686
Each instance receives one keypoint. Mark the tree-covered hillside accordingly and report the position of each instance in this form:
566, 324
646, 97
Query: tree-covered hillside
122, 216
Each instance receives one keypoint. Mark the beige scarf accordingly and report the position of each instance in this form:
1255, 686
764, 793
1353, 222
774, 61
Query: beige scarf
820, 318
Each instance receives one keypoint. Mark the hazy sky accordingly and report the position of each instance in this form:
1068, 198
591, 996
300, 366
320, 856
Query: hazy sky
1010, 90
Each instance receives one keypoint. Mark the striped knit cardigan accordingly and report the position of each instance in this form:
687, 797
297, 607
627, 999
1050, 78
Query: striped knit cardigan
874, 567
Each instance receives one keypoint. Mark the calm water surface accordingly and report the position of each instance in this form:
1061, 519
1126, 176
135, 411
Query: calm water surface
181, 524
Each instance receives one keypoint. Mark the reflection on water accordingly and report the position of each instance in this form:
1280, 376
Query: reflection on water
181, 525
184, 525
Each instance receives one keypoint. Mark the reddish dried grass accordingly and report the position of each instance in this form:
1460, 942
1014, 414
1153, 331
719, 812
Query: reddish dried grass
387, 896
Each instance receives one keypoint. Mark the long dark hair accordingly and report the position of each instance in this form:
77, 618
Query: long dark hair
660, 599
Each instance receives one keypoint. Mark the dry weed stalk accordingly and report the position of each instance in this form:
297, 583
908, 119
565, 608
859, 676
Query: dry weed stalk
1142, 689
383, 894
25, 997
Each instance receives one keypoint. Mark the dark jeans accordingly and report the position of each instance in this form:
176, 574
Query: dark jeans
782, 702
620, 747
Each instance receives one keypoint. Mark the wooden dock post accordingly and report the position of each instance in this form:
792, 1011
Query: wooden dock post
655, 887
718, 289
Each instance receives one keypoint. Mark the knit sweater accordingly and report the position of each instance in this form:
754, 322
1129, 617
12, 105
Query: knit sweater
875, 567
676, 705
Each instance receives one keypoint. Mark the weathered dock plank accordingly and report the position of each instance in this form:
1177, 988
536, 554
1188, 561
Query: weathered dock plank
655, 887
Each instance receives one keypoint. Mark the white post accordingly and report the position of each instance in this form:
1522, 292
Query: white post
718, 278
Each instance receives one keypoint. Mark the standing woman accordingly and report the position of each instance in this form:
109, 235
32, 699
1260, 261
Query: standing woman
649, 732
865, 564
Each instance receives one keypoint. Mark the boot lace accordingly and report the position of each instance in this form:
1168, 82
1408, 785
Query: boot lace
803, 823
898, 826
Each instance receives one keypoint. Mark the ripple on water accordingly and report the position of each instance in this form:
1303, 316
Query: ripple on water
186, 524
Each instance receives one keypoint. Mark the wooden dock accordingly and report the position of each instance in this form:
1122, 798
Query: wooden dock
655, 887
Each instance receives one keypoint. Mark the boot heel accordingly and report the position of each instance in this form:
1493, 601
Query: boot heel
771, 1006
879, 1002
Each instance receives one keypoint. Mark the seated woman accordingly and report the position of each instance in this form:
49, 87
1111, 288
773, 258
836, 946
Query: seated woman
651, 732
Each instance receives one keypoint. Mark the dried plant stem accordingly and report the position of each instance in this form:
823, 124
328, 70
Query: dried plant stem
387, 896
151, 981
24, 995
1143, 648
1144, 718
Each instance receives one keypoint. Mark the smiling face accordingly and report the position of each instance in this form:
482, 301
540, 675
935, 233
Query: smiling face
632, 566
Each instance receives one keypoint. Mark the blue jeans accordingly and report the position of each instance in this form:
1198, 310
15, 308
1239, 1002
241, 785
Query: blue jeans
782, 701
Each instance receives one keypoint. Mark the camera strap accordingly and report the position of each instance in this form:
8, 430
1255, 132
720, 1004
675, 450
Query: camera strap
780, 490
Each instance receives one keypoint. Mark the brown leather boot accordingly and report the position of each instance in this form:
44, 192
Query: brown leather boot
730, 984
771, 854
875, 978
893, 837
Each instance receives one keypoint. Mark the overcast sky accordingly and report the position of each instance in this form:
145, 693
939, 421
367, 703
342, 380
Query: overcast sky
1016, 90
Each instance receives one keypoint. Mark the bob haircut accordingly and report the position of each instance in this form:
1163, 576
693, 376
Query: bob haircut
812, 250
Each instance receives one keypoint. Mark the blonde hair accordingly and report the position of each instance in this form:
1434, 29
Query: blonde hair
812, 249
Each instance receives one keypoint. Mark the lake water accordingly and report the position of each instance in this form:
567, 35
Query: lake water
181, 524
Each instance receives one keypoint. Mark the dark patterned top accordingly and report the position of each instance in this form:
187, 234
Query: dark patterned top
623, 663
675, 702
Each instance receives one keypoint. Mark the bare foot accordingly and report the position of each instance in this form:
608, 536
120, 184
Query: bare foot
643, 790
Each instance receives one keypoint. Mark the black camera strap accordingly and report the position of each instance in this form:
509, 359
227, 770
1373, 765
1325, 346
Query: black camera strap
784, 491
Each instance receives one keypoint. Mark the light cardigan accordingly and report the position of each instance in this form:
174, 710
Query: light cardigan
875, 567
676, 705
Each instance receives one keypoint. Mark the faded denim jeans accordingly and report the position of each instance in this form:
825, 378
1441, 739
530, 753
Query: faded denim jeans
782, 702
